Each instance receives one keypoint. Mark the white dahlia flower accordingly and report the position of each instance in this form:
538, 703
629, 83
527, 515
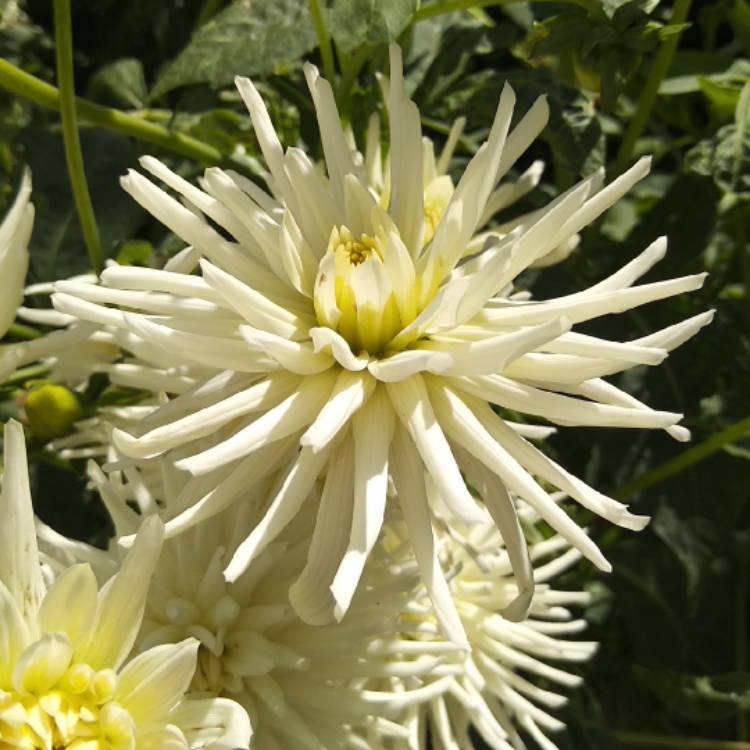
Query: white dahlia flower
15, 232
358, 329
65, 678
497, 693
304, 687
77, 349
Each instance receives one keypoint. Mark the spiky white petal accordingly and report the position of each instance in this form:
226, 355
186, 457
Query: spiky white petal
375, 284
64, 676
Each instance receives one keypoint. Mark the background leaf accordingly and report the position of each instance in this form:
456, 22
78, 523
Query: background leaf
249, 38
357, 22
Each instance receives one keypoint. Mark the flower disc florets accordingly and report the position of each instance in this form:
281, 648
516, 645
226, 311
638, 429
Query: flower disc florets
353, 294
47, 685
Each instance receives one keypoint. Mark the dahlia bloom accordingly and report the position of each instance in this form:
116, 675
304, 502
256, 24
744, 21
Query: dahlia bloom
65, 681
361, 323
78, 349
496, 693
303, 686
70, 353
15, 232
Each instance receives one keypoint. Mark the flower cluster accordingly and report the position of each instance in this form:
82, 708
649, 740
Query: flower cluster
65, 677
322, 441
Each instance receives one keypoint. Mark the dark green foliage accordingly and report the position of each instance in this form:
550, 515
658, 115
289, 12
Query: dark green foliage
357, 22
672, 617
244, 39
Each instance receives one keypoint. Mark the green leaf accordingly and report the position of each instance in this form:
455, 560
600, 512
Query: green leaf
444, 49
723, 98
56, 247
248, 38
691, 66
726, 156
120, 84
574, 132
698, 697
356, 22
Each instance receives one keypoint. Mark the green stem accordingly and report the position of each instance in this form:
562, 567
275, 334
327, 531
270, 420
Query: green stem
28, 373
43, 94
684, 460
647, 97
324, 41
643, 740
469, 145
71, 139
21, 332
351, 71
451, 6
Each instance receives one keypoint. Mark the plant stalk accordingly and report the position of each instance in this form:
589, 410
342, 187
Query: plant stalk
450, 6
324, 41
71, 138
659, 69
684, 460
352, 69
43, 94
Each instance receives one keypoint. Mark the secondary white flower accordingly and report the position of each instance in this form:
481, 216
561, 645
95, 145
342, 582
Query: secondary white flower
303, 686
15, 232
77, 349
496, 691
64, 678
71, 353
359, 330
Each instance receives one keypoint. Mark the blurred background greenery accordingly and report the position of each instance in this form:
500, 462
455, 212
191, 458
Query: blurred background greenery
623, 78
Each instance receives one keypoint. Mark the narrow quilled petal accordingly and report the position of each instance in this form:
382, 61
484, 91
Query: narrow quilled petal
311, 594
19, 557
367, 296
122, 601
372, 429
409, 480
15, 232
65, 678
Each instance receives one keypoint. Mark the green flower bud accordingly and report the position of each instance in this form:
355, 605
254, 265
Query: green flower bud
51, 410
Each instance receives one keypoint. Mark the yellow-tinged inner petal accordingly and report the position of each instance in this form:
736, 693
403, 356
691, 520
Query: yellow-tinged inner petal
437, 195
353, 293
58, 705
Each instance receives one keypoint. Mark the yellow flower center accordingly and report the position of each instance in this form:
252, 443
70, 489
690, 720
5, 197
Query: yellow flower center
56, 705
353, 292
356, 251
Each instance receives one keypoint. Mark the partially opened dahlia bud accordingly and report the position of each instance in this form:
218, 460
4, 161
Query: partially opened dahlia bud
361, 325
65, 677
